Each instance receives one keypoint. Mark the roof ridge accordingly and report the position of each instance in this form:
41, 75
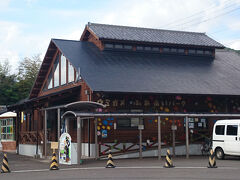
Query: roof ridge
65, 39
155, 29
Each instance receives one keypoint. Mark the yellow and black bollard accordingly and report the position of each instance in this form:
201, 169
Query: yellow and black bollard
54, 163
168, 163
5, 167
212, 161
110, 163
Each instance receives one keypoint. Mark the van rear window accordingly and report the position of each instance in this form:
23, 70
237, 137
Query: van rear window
220, 130
232, 130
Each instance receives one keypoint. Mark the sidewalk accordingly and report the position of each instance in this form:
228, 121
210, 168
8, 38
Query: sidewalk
19, 162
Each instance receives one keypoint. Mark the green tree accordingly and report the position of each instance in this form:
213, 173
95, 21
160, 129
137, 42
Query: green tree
8, 93
27, 73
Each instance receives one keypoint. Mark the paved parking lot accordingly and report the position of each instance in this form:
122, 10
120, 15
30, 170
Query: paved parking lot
23, 167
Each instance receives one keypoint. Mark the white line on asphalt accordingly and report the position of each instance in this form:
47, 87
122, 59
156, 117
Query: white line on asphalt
136, 167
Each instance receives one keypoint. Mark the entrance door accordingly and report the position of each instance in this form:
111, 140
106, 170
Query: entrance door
232, 139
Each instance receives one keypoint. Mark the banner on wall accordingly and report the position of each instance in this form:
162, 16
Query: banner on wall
65, 146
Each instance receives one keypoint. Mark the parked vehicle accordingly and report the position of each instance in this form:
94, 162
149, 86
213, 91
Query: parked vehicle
226, 138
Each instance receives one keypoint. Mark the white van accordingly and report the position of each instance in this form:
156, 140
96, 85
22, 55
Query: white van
226, 138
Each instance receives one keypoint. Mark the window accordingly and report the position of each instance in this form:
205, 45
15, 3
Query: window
139, 48
208, 52
118, 46
56, 72
191, 51
220, 130
166, 49
108, 45
49, 81
128, 47
232, 130
199, 51
129, 123
63, 70
180, 50
7, 129
70, 72
174, 50
147, 48
155, 49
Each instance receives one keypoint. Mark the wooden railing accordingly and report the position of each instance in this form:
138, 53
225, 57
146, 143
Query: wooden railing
31, 137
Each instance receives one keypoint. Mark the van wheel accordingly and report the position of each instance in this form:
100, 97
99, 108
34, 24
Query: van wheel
219, 153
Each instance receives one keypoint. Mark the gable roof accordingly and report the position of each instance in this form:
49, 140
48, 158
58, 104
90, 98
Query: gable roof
147, 35
114, 71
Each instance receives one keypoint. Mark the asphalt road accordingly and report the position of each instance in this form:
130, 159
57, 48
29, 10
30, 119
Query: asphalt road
24, 168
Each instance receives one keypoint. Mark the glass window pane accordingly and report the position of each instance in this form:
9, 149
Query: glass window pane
166, 49
147, 48
181, 50
220, 130
118, 46
156, 49
70, 72
123, 123
56, 72
139, 48
50, 81
199, 51
208, 52
191, 51
63, 70
232, 130
108, 45
173, 50
134, 122
127, 47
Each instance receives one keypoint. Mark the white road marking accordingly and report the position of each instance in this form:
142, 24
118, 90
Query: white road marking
133, 167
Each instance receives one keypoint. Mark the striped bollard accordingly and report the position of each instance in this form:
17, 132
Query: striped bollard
5, 167
211, 160
168, 163
54, 163
110, 163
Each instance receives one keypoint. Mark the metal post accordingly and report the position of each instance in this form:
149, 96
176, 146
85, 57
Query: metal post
187, 139
45, 133
67, 124
58, 124
96, 140
140, 143
159, 138
79, 141
173, 136
89, 127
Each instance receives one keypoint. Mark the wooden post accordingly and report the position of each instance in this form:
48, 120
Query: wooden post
79, 141
187, 139
59, 123
140, 143
45, 133
96, 140
159, 138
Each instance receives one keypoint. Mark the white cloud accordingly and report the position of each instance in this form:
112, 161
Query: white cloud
15, 43
235, 45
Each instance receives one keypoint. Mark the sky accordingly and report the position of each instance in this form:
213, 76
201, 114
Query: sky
27, 26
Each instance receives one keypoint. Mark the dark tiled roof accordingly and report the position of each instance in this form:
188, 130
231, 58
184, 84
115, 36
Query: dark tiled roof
153, 73
126, 33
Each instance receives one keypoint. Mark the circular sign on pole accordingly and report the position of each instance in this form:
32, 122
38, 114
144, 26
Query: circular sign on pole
65, 146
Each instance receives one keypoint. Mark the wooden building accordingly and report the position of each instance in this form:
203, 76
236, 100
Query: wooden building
129, 70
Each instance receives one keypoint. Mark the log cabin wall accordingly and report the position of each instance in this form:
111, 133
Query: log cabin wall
149, 103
